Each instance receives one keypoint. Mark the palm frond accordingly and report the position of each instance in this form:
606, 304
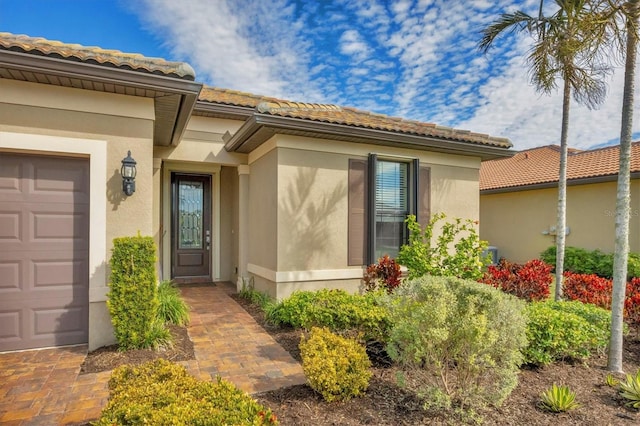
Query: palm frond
507, 22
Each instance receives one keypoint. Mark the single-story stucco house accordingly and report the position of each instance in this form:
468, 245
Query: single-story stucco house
232, 186
519, 199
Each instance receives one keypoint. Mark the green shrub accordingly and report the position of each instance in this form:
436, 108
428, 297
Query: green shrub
463, 338
558, 399
249, 293
335, 367
172, 309
565, 330
163, 393
456, 252
133, 294
581, 261
335, 309
157, 336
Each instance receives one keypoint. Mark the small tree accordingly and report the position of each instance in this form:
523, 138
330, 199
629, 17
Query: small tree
456, 252
133, 295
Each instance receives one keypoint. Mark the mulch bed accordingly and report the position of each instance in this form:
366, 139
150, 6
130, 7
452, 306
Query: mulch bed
109, 357
386, 403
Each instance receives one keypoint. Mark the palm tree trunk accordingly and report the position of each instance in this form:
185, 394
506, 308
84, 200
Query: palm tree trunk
623, 208
562, 190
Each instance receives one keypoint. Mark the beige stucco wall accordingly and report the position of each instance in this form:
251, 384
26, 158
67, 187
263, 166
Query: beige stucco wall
514, 222
311, 211
58, 118
228, 223
312, 206
263, 210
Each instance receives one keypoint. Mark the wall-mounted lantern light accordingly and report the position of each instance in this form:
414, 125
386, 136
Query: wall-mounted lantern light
128, 172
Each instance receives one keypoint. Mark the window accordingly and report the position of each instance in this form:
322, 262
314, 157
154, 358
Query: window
392, 198
382, 193
391, 207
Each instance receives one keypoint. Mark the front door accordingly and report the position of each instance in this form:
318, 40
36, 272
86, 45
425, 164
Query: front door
191, 225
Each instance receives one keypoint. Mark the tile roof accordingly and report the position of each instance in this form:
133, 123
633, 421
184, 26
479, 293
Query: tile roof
95, 55
344, 115
541, 165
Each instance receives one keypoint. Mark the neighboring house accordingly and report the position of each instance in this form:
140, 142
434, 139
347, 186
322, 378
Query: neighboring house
232, 186
519, 198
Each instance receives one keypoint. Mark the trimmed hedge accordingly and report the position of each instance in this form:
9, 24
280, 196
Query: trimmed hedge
334, 309
133, 294
565, 330
581, 261
162, 393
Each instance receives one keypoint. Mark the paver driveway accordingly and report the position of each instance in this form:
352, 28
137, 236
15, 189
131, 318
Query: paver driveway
45, 387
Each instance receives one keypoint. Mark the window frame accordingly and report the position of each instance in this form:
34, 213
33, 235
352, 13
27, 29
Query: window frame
413, 175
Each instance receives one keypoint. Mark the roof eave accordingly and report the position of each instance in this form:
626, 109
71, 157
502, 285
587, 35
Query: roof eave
233, 112
554, 184
163, 135
259, 127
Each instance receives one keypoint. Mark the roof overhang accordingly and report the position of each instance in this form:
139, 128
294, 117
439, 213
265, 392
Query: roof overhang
174, 98
259, 128
232, 112
554, 184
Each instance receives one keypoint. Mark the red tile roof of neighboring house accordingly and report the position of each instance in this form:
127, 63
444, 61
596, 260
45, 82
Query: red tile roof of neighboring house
95, 55
541, 165
344, 115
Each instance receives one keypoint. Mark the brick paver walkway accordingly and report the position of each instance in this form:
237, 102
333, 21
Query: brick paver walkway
44, 387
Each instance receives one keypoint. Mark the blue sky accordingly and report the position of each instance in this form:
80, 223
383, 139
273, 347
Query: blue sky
414, 59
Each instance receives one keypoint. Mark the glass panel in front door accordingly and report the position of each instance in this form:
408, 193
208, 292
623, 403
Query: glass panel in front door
190, 214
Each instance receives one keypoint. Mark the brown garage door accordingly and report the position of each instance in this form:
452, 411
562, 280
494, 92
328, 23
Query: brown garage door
44, 248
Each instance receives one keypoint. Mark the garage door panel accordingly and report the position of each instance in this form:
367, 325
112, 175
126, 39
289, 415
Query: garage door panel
10, 275
10, 322
64, 179
10, 226
63, 274
49, 322
44, 236
61, 226
11, 174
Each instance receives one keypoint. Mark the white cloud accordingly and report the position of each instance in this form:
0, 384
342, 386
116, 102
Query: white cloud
417, 59
352, 44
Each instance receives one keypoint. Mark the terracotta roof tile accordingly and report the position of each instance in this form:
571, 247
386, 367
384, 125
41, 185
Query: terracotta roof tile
541, 165
344, 115
95, 55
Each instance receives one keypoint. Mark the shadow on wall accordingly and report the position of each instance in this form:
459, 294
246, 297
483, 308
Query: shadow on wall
115, 196
309, 216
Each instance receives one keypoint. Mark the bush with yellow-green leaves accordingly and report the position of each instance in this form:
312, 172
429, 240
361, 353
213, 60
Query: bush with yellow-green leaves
336, 367
163, 393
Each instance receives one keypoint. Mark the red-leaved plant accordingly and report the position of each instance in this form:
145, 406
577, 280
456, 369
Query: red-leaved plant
587, 288
386, 273
597, 290
530, 281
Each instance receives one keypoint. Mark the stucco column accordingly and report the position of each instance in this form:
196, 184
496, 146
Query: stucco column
243, 225
157, 233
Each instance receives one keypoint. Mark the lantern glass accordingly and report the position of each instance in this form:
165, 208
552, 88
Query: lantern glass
128, 169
